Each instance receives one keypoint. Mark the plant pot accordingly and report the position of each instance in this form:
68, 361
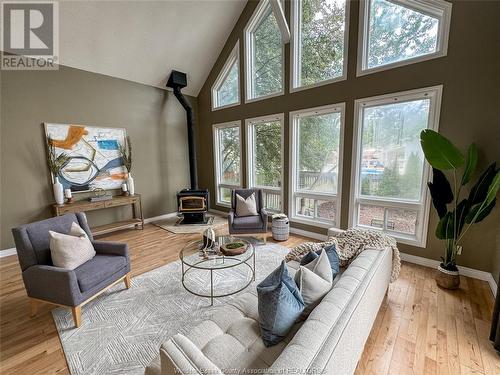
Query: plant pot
447, 279
58, 191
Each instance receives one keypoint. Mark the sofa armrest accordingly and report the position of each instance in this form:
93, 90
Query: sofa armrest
264, 215
180, 356
53, 284
111, 248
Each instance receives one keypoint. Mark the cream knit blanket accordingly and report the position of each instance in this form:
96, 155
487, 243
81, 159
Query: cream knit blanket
349, 244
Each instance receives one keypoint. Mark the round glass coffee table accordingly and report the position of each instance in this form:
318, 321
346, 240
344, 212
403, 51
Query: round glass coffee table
193, 258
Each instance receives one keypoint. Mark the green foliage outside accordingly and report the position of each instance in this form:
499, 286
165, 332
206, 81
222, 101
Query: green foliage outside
228, 92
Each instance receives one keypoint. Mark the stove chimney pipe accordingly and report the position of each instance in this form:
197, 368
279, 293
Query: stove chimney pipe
177, 81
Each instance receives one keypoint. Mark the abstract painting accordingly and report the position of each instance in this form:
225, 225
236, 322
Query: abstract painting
94, 156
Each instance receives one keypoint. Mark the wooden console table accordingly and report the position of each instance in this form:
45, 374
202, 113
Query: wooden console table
136, 221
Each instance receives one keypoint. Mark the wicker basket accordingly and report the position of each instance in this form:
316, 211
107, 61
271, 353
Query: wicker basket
281, 229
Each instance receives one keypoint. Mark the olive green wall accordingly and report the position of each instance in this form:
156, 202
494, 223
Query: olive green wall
152, 117
469, 110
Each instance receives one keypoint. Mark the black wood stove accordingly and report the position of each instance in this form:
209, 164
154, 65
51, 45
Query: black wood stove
192, 203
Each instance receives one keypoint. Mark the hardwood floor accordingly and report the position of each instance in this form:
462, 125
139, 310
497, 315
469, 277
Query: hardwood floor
420, 328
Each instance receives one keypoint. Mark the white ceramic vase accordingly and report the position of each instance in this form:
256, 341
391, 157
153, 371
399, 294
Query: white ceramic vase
58, 191
130, 184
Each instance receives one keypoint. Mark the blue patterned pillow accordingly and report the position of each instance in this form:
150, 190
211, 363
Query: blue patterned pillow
280, 304
333, 257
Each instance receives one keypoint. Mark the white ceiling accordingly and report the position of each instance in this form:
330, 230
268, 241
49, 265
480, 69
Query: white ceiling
142, 41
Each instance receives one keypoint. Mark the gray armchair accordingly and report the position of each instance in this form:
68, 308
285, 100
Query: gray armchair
248, 224
63, 287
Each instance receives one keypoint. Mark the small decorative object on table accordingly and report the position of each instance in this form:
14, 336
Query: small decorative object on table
233, 248
126, 154
56, 163
68, 195
125, 192
100, 195
280, 227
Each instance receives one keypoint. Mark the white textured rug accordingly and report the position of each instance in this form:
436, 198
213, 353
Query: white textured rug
122, 330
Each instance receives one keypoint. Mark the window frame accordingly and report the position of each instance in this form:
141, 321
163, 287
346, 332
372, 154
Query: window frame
293, 192
249, 143
234, 57
248, 48
295, 49
423, 205
218, 184
439, 9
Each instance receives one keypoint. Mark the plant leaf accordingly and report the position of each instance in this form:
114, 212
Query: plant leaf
439, 151
440, 192
479, 191
462, 210
444, 229
493, 189
470, 163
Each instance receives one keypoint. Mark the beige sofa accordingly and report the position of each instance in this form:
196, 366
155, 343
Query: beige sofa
330, 341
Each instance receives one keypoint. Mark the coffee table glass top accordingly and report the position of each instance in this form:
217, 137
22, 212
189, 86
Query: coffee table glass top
192, 256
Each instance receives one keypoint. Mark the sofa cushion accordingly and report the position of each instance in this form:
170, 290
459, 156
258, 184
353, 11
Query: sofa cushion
280, 304
70, 250
333, 257
314, 280
247, 222
98, 269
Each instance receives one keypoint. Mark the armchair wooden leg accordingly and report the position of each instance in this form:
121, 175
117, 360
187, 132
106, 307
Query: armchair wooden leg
265, 238
127, 281
77, 315
33, 307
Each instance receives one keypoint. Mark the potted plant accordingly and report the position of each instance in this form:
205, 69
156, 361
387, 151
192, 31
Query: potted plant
56, 163
126, 155
456, 215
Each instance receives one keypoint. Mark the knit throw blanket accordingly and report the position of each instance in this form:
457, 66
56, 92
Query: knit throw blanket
349, 244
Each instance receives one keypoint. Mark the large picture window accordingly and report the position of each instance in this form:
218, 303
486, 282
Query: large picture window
390, 175
265, 158
226, 89
316, 165
319, 43
401, 32
263, 54
227, 151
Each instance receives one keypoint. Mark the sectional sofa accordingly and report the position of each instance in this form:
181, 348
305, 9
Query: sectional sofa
330, 341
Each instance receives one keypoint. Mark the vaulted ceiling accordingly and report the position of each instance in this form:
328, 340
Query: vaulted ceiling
142, 41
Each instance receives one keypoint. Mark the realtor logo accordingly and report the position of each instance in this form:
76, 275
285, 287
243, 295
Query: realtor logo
29, 35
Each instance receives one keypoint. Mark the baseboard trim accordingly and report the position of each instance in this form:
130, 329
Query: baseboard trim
8, 252
306, 233
160, 217
465, 271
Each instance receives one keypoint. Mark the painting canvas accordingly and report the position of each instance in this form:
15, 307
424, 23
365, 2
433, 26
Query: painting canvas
94, 156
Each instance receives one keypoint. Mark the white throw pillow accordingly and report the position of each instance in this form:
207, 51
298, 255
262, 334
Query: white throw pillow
246, 207
315, 279
70, 250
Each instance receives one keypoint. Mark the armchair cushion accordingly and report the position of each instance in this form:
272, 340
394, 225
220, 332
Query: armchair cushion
247, 222
246, 206
98, 269
70, 250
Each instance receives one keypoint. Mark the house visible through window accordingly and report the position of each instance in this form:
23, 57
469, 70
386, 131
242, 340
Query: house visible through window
263, 54
265, 158
226, 89
227, 151
316, 165
390, 174
319, 45
402, 32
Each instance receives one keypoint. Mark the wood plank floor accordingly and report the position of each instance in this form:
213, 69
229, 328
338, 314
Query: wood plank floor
420, 329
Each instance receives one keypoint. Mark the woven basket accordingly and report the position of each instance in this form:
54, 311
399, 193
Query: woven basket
281, 229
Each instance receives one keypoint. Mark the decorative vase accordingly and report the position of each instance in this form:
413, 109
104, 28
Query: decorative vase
58, 191
130, 184
447, 279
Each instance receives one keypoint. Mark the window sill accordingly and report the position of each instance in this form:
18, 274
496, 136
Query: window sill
313, 222
407, 240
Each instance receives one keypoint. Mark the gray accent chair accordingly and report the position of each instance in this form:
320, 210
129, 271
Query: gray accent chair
248, 224
58, 286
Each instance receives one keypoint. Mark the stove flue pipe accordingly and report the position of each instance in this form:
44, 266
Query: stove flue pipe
177, 81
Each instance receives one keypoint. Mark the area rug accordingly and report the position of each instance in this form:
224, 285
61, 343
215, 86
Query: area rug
122, 330
172, 225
